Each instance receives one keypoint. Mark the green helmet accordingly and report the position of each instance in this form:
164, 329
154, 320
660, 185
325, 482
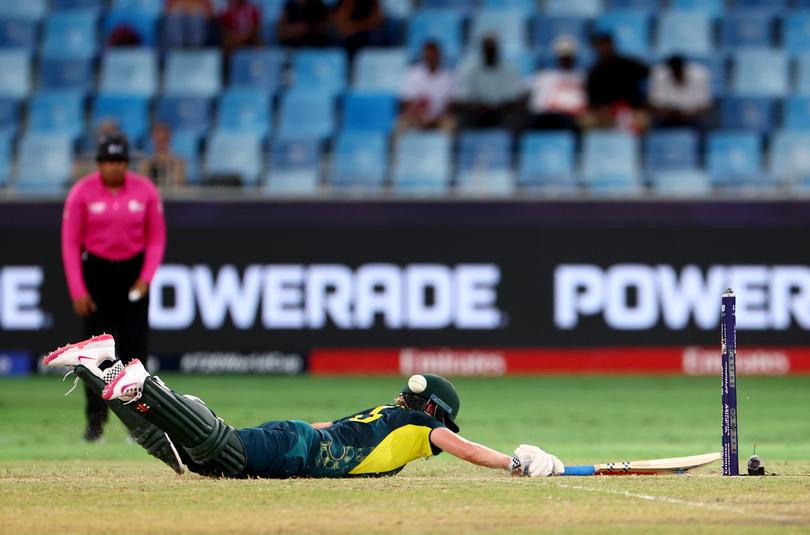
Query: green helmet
441, 392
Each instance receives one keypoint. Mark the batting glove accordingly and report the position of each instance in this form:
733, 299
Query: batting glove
534, 462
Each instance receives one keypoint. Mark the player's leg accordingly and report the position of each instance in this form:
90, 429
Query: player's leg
133, 320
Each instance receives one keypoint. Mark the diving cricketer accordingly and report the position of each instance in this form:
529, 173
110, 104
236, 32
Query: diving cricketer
182, 430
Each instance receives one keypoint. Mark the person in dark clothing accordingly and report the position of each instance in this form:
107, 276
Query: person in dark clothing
304, 23
357, 23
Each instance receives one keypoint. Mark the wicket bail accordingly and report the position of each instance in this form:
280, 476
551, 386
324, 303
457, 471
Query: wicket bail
728, 341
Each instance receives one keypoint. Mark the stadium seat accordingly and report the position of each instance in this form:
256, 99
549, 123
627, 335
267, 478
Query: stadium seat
495, 183
734, 158
271, 9
789, 159
16, 80
754, 114
761, 4
630, 30
713, 8
192, 113
650, 6
131, 71
321, 69
25, 9
186, 145
797, 113
18, 33
684, 183
526, 7
717, 71
580, 8
760, 72
306, 115
294, 168
70, 34
144, 25
9, 116
510, 26
152, 8
548, 29
441, 25
671, 150
244, 110
372, 112
44, 163
359, 161
611, 162
796, 31
234, 153
484, 150
68, 74
130, 112
292, 183
803, 74
380, 69
397, 9
422, 163
94, 5
257, 69
746, 29
56, 112
5, 158
684, 32
547, 161
190, 73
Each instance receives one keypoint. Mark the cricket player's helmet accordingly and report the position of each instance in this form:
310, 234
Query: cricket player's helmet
440, 392
113, 148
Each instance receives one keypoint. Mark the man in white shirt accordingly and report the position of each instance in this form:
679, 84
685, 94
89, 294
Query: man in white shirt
680, 93
426, 93
558, 97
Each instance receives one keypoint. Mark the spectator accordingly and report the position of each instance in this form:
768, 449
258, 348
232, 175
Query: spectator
557, 99
165, 168
304, 23
187, 23
357, 23
426, 93
240, 25
86, 162
680, 93
615, 89
489, 90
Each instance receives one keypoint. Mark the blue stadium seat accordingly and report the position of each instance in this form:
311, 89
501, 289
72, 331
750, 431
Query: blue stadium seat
44, 163
321, 69
371, 112
130, 112
94, 5
747, 29
195, 73
186, 145
761, 4
495, 183
581, 8
526, 63
142, 24
18, 33
306, 115
527, 7
380, 69
294, 168
509, 25
646, 5
244, 110
713, 8
630, 30
152, 8
359, 161
397, 9
234, 153
191, 113
292, 183
69, 74
754, 114
25, 9
547, 161
56, 112
760, 72
131, 71
684, 183
803, 74
271, 9
789, 161
684, 32
671, 150
70, 34
16, 68
734, 158
717, 71
484, 150
9, 116
422, 163
257, 69
797, 113
549, 29
441, 25
5, 158
796, 31
610, 162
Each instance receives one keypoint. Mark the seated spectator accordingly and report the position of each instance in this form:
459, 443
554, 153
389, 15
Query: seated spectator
240, 25
489, 90
85, 162
426, 93
680, 94
557, 97
614, 85
166, 169
304, 23
357, 23
186, 23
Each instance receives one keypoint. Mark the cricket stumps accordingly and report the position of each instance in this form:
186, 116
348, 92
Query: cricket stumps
728, 342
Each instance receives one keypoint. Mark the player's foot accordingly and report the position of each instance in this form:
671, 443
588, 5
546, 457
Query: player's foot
128, 384
92, 434
89, 353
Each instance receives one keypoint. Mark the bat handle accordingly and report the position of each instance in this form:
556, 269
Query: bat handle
580, 470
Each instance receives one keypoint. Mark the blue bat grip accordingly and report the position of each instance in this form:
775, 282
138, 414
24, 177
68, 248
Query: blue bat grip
581, 470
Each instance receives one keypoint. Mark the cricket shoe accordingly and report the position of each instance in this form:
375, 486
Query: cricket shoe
128, 384
89, 353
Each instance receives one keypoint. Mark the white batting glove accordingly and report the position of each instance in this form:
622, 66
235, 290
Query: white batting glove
534, 462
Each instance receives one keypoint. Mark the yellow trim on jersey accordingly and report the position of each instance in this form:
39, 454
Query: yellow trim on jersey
400, 447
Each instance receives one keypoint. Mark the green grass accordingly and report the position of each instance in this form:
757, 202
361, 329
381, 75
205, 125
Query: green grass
50, 482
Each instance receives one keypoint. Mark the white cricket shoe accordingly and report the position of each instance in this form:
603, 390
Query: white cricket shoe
128, 384
89, 353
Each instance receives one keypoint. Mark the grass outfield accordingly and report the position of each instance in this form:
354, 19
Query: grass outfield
50, 482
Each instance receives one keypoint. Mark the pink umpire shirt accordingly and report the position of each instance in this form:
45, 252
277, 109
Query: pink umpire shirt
115, 225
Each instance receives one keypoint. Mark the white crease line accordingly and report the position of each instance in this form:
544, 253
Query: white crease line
678, 501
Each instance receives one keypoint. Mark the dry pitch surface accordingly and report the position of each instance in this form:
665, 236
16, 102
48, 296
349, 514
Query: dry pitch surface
52, 483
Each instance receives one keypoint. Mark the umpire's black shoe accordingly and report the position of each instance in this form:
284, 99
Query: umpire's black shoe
92, 434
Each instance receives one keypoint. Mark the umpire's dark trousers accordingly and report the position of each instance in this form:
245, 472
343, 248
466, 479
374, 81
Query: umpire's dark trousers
109, 282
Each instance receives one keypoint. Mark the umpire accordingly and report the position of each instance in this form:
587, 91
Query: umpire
113, 239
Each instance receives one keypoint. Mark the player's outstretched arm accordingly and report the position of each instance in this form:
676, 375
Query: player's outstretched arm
528, 460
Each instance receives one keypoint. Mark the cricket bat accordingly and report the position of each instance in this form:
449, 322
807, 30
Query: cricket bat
675, 465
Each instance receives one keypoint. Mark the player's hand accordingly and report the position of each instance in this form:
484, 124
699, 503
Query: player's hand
141, 287
537, 463
84, 306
